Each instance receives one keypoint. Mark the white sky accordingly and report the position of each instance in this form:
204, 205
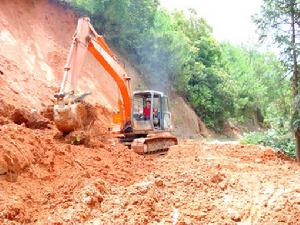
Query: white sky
230, 19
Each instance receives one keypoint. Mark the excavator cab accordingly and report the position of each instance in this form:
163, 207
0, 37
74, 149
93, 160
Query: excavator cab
150, 119
150, 111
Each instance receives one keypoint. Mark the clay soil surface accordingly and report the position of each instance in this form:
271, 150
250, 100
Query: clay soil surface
51, 182
87, 177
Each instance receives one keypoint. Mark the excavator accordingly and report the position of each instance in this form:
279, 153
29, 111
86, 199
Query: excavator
143, 132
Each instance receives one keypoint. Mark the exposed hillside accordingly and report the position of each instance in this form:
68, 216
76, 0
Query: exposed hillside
35, 38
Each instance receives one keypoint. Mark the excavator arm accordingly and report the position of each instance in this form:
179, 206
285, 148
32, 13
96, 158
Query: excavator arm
85, 40
124, 116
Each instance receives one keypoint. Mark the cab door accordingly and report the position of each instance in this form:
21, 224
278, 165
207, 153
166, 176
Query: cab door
139, 122
166, 114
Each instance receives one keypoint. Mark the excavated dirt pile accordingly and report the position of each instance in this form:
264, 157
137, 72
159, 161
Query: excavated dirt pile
43, 171
87, 177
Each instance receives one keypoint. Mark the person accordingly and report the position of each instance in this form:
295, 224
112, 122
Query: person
146, 110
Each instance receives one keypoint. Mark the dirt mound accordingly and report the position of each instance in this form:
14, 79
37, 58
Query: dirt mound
31, 119
34, 162
74, 116
231, 131
20, 147
47, 175
95, 132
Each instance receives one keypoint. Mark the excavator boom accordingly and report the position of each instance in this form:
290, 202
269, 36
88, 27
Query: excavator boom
86, 39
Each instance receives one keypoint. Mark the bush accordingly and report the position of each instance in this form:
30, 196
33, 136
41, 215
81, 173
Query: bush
281, 139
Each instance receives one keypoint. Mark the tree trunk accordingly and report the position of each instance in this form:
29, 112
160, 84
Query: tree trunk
295, 77
294, 53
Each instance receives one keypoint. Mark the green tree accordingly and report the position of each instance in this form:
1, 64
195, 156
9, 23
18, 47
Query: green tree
163, 51
256, 83
202, 81
279, 21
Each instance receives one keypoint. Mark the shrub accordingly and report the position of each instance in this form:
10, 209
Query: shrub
281, 139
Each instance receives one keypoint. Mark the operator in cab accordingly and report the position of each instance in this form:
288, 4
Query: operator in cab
146, 110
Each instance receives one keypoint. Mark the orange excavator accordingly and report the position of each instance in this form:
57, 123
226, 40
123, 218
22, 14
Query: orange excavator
144, 127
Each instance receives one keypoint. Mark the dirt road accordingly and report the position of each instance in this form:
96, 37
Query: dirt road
195, 183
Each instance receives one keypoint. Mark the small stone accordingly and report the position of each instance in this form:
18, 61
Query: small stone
159, 183
182, 223
11, 176
234, 215
217, 178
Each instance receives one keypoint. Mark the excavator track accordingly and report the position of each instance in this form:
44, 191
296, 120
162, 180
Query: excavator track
153, 144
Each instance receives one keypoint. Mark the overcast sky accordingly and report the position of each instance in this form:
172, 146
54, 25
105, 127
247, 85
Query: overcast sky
230, 19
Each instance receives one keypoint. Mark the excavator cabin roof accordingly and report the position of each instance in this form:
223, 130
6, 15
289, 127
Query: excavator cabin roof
148, 92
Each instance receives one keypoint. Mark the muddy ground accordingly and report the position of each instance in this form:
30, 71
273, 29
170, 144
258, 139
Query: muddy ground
87, 177
194, 183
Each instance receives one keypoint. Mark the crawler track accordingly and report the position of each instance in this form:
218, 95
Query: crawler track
153, 144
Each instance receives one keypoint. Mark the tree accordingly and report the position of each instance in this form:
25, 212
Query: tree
279, 20
163, 51
256, 84
201, 80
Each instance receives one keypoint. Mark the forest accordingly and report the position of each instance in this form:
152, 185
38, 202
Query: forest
177, 51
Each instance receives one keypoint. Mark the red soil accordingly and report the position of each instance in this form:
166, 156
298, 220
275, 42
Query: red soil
88, 177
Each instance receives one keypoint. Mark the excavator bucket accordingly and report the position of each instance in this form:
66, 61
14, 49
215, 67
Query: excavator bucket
68, 118
73, 114
154, 143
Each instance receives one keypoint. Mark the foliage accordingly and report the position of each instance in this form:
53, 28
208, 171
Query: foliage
163, 52
257, 84
279, 20
201, 80
276, 22
280, 138
123, 21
